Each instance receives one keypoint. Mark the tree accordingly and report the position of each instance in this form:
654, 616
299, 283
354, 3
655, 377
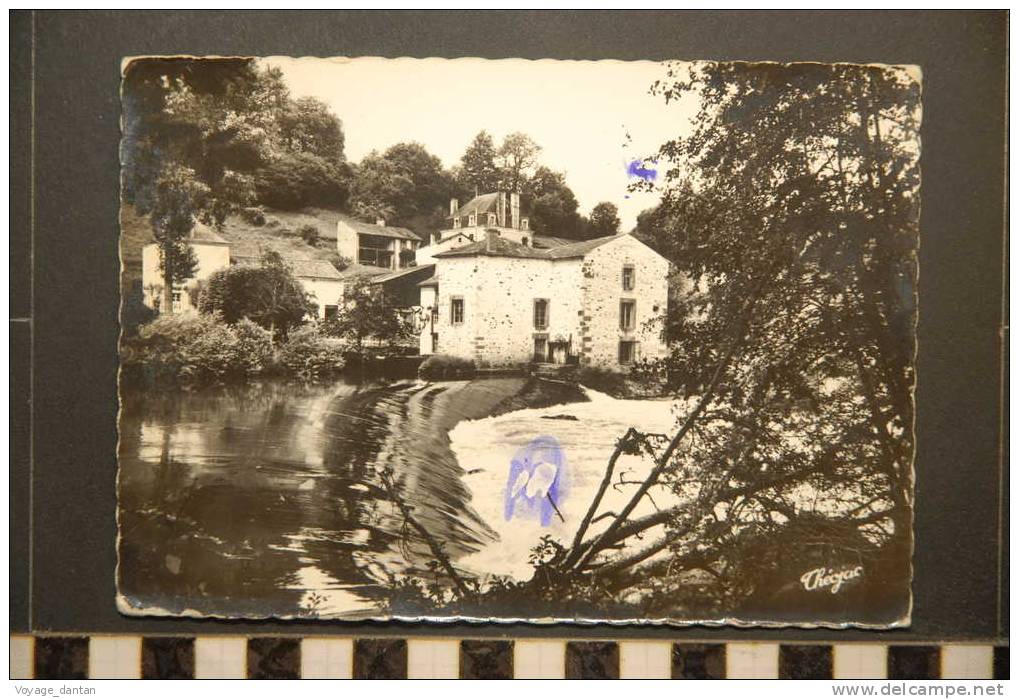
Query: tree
295, 181
194, 132
405, 184
307, 126
478, 172
268, 295
366, 314
604, 220
177, 199
793, 206
517, 157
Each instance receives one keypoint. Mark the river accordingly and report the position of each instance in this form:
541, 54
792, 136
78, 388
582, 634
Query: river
257, 501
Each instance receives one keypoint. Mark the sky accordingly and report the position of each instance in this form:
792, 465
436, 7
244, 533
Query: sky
591, 118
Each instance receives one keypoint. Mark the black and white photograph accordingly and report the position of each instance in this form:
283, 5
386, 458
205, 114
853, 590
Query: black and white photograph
518, 340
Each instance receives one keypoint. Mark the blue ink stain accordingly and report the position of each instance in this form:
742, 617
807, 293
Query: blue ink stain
636, 169
536, 482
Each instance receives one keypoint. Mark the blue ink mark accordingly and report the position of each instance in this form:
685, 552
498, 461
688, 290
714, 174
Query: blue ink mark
636, 169
536, 482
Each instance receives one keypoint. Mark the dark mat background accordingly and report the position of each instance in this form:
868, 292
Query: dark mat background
65, 69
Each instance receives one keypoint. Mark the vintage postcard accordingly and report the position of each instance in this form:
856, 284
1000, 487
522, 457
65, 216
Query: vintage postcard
518, 340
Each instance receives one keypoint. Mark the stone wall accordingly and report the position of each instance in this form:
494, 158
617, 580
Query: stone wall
602, 282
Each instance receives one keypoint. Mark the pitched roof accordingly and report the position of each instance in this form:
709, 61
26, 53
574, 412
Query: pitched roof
299, 267
422, 269
431, 281
481, 204
358, 270
503, 247
581, 248
496, 246
313, 269
547, 241
381, 231
204, 234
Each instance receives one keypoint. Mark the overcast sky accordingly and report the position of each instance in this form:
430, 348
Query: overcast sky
591, 118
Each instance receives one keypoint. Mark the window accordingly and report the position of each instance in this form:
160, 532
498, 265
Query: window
491, 219
525, 223
177, 300
541, 348
456, 222
540, 314
627, 315
331, 311
456, 312
627, 351
628, 277
472, 220
435, 342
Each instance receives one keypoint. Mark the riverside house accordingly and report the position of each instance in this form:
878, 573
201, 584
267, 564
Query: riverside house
497, 294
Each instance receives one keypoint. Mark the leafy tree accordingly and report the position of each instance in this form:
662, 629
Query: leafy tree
297, 180
403, 184
604, 220
268, 295
366, 314
793, 206
478, 172
517, 158
307, 126
553, 205
177, 199
194, 131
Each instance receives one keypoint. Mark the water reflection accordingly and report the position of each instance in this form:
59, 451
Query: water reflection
256, 500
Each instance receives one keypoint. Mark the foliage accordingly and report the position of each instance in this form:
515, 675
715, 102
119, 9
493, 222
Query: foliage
189, 346
604, 220
307, 126
792, 207
268, 295
367, 315
252, 215
602, 379
516, 160
439, 367
478, 172
402, 183
294, 181
553, 205
309, 353
309, 234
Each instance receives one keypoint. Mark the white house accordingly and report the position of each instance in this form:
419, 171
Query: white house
318, 277
500, 299
211, 252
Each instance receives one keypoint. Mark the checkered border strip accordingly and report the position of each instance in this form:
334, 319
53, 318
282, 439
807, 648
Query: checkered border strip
275, 657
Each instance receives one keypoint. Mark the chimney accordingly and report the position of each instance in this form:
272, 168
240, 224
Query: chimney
500, 210
381, 222
515, 208
454, 204
490, 236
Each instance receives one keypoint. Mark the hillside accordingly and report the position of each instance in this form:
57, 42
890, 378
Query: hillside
279, 234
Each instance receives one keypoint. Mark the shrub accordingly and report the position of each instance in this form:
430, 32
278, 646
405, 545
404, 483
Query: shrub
253, 215
308, 353
255, 343
443, 366
308, 233
603, 380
